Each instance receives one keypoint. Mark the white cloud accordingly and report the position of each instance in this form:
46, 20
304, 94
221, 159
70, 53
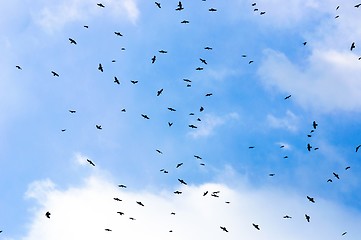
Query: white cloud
210, 122
288, 122
85, 211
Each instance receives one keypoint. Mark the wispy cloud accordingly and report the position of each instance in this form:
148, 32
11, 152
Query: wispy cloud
288, 122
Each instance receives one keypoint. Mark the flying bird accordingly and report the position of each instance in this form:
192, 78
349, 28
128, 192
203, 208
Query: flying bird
336, 175
177, 192
108, 230
86, 26
72, 111
170, 124
159, 92
348, 167
212, 10
261, 13
122, 186
145, 116
199, 68
287, 97
100, 67
99, 127
307, 218
55, 74
90, 162
358, 147
309, 147
186, 80
314, 124
47, 214
171, 109
178, 165
224, 229
205, 193
208, 48
140, 203
162, 51
153, 59
311, 199
118, 34
116, 80
18, 67
201, 109
358, 5
209, 94
192, 126
182, 181
117, 199
256, 226
352, 46
185, 21
72, 41
286, 216
134, 81
180, 6
120, 213
158, 4
304, 43
203, 61
198, 157
100, 5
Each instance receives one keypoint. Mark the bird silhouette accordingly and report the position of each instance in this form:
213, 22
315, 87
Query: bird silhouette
120, 213
185, 21
186, 80
307, 218
180, 6
122, 186
201, 109
358, 147
171, 109
203, 61
212, 10
309, 147
18, 67
261, 13
131, 218
314, 124
134, 81
100, 5
86, 26
55, 74
358, 5
117, 199
256, 226
199, 68
178, 165
145, 116
162, 51
304, 43
208, 48
72, 111
159, 151
72, 41
205, 193
329, 180
311, 199
99, 127
158, 4
153, 59
108, 230
170, 124
47, 214
90, 162
336, 175
182, 181
159, 92
116, 80
192, 126
100, 67
118, 34
352, 46
209, 94
287, 97
286, 216
140, 203
198, 157
177, 192
348, 167
224, 229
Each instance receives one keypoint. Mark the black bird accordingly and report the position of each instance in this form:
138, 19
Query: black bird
250, 62
209, 94
131, 218
145, 116
199, 68
178, 165
208, 48
47, 214
72, 41
271, 174
162, 51
55, 74
172, 213
256, 9
358, 5
309, 147
287, 97
18, 67
122, 186
171, 109
186, 80
203, 61
100, 5
108, 230
336, 175
348, 167
141, 204
134, 81
198, 157
256, 226
177, 192
311, 199
124, 110
117, 199
253, 4
251, 147
286, 216
63, 130
159, 92
261, 13
201, 109
100, 67
329, 180
352, 46
118, 34
180, 6
170, 124
244, 55
227, 202
307, 218
153, 59
357, 148
99, 127
116, 80
182, 181
192, 126
86, 26
212, 10
304, 43
214, 195
314, 124
72, 111
337, 7
158, 4
185, 21
205, 193
159, 151
90, 162
224, 229
120, 213
344, 233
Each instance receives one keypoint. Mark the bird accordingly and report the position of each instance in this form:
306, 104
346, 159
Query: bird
256, 226
205, 193
352, 46
47, 214
253, 4
224, 229
145, 116
63, 130
178, 165
337, 8
182, 181
228, 202
244, 55
198, 157
336, 175
251, 147
116, 80
86, 26
171, 109
304, 43
90, 162
208, 48
159, 92
358, 5
122, 186
55, 74
18, 67
180, 6
261, 13
123, 110
250, 62
108, 230
153, 59
158, 4
286, 216
186, 80
118, 34
203, 61
212, 10
120, 213
134, 81
311, 199
309, 147
185, 21
199, 68
140, 203
192, 126
131, 218
358, 147
314, 124
162, 51
72, 41
170, 124
307, 218
172, 213
348, 167
177, 192
72, 111
287, 97
201, 109
99, 127
117, 199
329, 180
209, 94
100, 67
271, 174
100, 5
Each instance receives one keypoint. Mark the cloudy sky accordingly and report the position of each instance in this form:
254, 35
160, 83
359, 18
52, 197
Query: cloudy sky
245, 160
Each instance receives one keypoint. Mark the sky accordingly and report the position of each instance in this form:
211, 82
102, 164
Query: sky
253, 100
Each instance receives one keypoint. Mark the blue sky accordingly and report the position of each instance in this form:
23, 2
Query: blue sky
45, 169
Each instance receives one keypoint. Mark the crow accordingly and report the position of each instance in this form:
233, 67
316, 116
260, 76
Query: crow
118, 34
120, 213
212, 10
224, 229
122, 186
123, 110
307, 218
153, 59
170, 124
72, 111
358, 5
131, 218
72, 41
100, 67
140, 203
182, 181
100, 5
198, 157
158, 4
178, 165
250, 62
329, 180
256, 226
177, 192
159, 151
117, 199
116, 80
208, 48
209, 94
186, 80
18, 67
287, 97
203, 61
47, 214
171, 109
271, 174
180, 6
205, 193
172, 213
253, 4
192, 126
309, 147
162, 51
348, 167
314, 124
199, 68
108, 230
99, 127
286, 216
90, 162
311, 199
201, 109
55, 74
352, 46
357, 148
304, 43
134, 81
145, 116
336, 175
185, 21
86, 26
159, 92
261, 13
